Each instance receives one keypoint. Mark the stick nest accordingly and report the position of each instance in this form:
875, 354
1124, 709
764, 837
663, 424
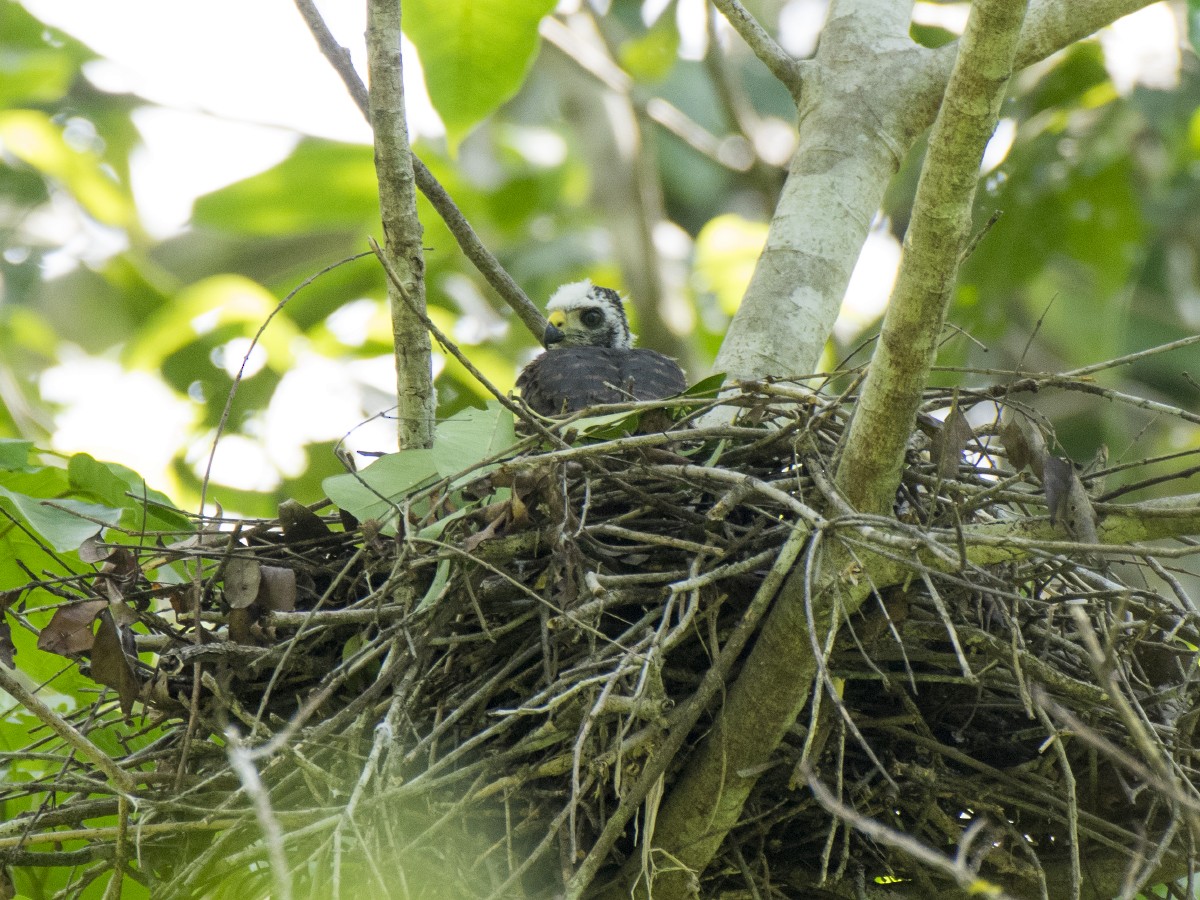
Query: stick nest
457, 705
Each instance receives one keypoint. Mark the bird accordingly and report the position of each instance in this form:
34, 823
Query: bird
590, 357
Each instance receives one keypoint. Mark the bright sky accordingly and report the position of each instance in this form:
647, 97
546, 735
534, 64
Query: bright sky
237, 82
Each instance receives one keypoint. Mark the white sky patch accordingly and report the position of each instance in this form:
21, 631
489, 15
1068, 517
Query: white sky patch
254, 62
800, 24
691, 20
870, 284
240, 462
231, 355
166, 171
350, 323
997, 149
1143, 48
75, 236
117, 416
540, 146
951, 16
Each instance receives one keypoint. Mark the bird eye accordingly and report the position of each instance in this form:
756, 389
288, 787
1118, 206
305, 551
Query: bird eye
591, 318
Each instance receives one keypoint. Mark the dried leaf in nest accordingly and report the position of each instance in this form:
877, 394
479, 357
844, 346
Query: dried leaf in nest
243, 575
69, 631
277, 588
1023, 443
1097, 464
950, 440
301, 524
120, 573
110, 665
1068, 500
94, 550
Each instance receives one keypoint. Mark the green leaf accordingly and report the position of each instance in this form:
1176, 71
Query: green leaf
14, 454
651, 56
475, 54
727, 250
706, 387
472, 435
119, 486
37, 140
608, 426
322, 186
62, 525
374, 492
441, 578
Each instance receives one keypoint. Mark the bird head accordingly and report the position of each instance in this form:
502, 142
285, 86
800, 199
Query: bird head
587, 316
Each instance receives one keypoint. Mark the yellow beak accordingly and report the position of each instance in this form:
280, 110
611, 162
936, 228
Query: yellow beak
558, 318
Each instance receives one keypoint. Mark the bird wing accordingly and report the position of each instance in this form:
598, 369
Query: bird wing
567, 379
649, 375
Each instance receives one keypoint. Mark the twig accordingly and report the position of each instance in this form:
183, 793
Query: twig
416, 399
243, 764
468, 241
687, 714
124, 781
956, 868
774, 57
453, 350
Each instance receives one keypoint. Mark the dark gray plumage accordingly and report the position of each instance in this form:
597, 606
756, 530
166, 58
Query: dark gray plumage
594, 360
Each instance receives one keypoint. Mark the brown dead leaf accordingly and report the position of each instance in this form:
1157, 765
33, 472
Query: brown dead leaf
243, 575
8, 598
1078, 515
492, 530
240, 622
951, 441
183, 598
110, 665
1024, 443
277, 591
1056, 482
69, 631
300, 523
93, 550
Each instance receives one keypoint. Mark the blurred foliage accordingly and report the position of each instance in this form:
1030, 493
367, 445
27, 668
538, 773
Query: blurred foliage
1097, 255
1097, 193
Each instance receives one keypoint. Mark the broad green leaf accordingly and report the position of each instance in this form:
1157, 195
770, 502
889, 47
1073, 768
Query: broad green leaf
322, 186
37, 140
119, 486
727, 249
475, 54
66, 524
652, 55
34, 76
216, 302
374, 492
471, 436
607, 426
706, 387
14, 454
441, 578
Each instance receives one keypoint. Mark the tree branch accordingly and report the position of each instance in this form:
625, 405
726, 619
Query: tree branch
779, 61
468, 241
1052, 25
401, 228
869, 472
11, 685
774, 685
859, 120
